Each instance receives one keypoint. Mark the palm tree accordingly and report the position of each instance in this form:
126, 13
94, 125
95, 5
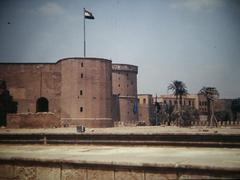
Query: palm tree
211, 94
179, 89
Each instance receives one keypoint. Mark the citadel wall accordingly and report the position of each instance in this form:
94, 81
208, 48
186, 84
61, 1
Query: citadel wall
77, 90
27, 82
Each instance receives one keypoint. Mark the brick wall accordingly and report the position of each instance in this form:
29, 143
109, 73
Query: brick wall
34, 170
33, 120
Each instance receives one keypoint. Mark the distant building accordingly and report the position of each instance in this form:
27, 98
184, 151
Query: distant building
146, 108
188, 100
198, 101
202, 104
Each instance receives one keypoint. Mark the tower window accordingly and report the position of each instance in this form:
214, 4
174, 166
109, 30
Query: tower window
81, 92
81, 75
144, 101
81, 109
82, 64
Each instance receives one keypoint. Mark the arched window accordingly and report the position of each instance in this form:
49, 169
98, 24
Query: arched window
144, 101
42, 105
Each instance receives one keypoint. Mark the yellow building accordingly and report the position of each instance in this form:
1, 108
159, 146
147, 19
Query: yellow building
145, 106
188, 100
198, 101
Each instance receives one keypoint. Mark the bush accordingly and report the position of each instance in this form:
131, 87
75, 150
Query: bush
222, 115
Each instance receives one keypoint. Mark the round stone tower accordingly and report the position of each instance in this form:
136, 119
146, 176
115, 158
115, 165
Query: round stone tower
86, 92
124, 85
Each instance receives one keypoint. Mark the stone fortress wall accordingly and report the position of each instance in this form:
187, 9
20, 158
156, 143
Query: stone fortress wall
79, 91
27, 82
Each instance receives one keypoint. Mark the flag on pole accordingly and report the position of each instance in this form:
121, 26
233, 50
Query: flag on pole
88, 14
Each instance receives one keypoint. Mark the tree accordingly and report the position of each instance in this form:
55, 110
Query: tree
211, 94
189, 114
179, 89
169, 111
222, 115
235, 107
7, 105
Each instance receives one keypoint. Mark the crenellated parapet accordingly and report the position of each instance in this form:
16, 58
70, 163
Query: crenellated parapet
125, 67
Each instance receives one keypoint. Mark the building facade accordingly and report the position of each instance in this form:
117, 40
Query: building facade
188, 100
146, 108
197, 101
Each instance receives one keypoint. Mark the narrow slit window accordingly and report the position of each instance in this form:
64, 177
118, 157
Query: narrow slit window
144, 101
81, 109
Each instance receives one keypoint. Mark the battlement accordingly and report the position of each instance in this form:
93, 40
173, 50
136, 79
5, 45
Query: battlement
124, 67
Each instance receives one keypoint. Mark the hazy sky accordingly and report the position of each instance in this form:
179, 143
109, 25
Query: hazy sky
195, 41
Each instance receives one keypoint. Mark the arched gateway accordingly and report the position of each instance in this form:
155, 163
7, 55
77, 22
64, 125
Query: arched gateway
42, 105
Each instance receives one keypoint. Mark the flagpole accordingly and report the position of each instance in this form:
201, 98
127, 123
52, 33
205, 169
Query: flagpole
84, 50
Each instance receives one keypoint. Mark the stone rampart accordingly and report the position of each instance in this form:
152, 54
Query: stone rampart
32, 120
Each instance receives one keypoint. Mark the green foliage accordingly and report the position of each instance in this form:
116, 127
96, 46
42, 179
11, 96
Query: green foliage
178, 88
169, 109
211, 93
189, 114
7, 105
235, 107
222, 115
155, 120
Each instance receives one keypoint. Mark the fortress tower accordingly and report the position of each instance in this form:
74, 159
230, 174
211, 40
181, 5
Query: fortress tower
124, 85
77, 90
86, 92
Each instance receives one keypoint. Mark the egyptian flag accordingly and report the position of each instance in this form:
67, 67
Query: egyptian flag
88, 15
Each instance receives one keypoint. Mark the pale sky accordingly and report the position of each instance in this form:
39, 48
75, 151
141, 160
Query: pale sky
195, 41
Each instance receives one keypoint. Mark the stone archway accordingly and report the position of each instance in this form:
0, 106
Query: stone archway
42, 105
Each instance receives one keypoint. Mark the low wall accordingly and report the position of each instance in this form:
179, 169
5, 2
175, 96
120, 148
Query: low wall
192, 140
33, 120
88, 122
22, 169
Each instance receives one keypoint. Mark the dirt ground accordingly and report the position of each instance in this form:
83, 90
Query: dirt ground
132, 130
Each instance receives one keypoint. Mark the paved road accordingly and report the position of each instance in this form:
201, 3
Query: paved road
132, 130
210, 158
